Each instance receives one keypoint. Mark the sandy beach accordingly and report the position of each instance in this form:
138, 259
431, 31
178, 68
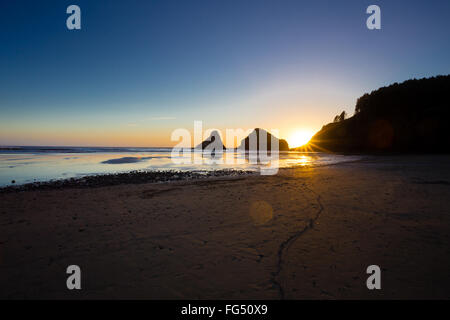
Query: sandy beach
305, 233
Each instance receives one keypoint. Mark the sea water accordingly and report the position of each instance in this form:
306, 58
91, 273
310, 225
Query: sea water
31, 164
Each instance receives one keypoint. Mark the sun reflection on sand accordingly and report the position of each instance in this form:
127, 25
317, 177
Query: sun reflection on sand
302, 160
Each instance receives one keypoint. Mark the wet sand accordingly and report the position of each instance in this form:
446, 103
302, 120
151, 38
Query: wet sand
306, 233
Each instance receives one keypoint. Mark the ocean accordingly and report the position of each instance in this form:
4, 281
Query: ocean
20, 165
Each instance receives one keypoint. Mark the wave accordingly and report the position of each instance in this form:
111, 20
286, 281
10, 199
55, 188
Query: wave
46, 149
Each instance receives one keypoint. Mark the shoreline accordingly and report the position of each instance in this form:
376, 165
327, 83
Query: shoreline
159, 176
166, 176
148, 176
131, 177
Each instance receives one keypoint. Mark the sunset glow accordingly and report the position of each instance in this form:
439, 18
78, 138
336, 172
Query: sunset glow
300, 138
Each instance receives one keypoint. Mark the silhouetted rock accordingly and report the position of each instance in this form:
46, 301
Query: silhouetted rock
215, 140
255, 134
409, 117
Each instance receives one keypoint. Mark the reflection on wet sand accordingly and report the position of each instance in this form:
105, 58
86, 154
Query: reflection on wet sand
30, 167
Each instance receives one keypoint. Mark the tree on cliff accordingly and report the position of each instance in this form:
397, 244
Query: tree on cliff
340, 117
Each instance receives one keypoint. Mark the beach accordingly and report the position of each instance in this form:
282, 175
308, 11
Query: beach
304, 233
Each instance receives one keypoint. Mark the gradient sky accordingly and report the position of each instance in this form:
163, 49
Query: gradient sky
137, 70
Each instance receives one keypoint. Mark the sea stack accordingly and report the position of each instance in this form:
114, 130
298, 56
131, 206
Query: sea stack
213, 142
258, 145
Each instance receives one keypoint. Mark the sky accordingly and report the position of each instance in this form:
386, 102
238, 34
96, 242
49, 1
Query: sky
138, 70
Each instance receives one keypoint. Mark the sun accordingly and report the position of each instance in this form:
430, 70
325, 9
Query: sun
300, 138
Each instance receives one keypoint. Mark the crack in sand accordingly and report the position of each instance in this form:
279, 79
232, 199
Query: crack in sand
285, 245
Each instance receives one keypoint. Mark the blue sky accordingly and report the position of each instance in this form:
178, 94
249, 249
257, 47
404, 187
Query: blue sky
139, 69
